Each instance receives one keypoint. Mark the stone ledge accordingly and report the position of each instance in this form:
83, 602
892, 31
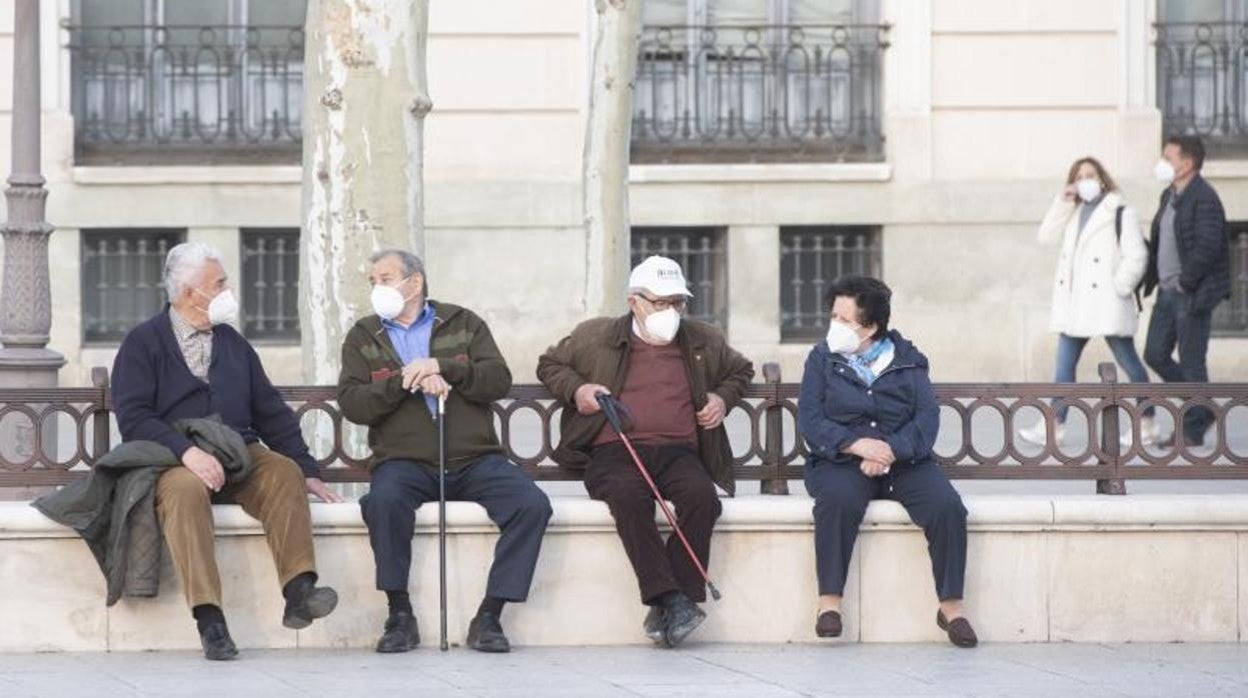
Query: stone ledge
764, 513
1040, 569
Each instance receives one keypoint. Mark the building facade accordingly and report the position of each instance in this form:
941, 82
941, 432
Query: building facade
776, 144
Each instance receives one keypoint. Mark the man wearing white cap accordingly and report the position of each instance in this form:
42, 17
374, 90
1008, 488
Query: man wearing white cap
677, 378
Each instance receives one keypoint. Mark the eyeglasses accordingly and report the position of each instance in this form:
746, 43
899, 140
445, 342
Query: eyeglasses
664, 303
393, 283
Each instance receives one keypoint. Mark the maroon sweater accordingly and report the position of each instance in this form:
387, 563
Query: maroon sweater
657, 393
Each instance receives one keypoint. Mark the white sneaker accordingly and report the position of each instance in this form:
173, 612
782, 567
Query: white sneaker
1038, 435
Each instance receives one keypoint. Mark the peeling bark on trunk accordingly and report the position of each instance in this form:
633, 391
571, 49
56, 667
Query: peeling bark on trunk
365, 99
605, 166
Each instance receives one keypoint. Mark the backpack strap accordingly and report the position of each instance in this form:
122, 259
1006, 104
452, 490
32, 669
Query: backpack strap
1139, 304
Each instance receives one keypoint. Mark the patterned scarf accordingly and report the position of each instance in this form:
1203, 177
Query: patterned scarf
861, 363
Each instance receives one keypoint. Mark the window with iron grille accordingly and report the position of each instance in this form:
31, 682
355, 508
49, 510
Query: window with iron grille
270, 284
186, 81
759, 81
700, 252
1202, 83
811, 257
121, 279
1230, 318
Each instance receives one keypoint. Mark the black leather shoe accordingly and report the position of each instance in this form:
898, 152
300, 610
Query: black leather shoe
216, 642
682, 617
960, 632
485, 634
828, 624
308, 604
653, 624
400, 634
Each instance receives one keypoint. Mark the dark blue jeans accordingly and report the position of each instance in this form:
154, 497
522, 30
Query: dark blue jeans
1175, 324
511, 499
1070, 348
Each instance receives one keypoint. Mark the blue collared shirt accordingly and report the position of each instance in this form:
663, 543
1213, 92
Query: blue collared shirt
412, 342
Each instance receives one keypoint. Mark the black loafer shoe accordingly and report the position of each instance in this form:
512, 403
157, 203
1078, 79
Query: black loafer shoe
400, 635
959, 630
485, 634
216, 642
307, 605
682, 617
653, 624
828, 624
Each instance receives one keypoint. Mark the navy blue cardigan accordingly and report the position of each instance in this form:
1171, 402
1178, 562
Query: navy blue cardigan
153, 388
835, 407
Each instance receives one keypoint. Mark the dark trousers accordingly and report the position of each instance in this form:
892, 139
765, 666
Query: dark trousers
1175, 324
682, 479
511, 499
841, 495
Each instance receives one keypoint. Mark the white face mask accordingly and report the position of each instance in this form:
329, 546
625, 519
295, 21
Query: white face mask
842, 339
663, 325
1164, 171
1088, 188
222, 308
387, 302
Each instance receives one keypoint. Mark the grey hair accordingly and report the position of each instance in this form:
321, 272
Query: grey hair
183, 262
411, 263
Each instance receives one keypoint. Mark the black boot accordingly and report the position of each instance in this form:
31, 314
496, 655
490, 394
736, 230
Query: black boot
653, 625
682, 617
306, 602
485, 633
215, 639
214, 636
400, 634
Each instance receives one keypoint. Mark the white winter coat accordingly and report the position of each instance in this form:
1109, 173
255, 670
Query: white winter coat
1096, 273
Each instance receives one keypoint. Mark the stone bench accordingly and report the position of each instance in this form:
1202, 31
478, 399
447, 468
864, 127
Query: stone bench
1041, 568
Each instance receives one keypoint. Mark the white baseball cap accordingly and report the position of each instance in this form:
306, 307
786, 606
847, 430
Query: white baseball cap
659, 275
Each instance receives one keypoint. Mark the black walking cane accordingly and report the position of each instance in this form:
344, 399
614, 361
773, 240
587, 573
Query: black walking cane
611, 408
442, 516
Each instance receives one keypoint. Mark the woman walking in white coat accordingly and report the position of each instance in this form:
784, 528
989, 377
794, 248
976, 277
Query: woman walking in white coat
1102, 261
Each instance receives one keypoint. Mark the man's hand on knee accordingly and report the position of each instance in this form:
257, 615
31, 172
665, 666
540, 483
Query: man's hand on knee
205, 466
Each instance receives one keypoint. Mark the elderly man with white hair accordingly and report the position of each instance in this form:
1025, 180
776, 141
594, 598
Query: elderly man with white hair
188, 362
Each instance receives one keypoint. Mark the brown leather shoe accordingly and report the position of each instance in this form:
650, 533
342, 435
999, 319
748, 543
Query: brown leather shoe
960, 632
828, 624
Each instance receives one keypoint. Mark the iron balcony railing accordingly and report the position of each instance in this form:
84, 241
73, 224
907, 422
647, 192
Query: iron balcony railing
1202, 83
145, 94
804, 93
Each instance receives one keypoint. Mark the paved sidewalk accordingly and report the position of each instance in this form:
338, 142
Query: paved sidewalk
722, 671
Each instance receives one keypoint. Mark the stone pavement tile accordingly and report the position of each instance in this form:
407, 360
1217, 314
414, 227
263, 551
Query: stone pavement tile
70, 685
1123, 669
741, 690
601, 691
981, 671
10, 688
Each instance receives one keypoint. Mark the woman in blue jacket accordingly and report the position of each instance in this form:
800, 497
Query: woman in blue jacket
869, 418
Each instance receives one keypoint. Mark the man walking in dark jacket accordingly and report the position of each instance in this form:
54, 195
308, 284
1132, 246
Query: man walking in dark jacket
678, 378
188, 362
396, 365
1189, 264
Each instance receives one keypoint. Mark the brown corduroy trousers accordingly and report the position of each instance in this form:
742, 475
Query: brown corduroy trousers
274, 493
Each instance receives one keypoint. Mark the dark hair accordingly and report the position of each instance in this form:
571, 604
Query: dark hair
1096, 165
872, 297
1191, 147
